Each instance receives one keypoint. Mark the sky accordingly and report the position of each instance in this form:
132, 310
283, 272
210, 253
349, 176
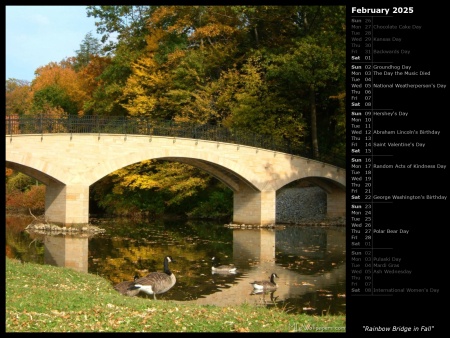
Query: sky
38, 35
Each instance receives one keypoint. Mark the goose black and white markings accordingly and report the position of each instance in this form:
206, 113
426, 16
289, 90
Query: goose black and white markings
224, 269
266, 284
156, 283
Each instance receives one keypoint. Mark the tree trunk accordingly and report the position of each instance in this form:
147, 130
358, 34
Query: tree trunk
312, 104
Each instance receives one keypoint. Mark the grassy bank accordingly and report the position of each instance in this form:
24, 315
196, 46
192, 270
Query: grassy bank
43, 298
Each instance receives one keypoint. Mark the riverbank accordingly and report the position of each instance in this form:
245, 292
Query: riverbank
323, 222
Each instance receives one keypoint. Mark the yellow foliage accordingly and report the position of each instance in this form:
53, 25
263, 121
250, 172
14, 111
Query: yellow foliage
213, 30
145, 87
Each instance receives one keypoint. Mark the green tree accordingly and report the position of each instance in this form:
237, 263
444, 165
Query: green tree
120, 25
56, 97
124, 31
316, 62
89, 47
57, 85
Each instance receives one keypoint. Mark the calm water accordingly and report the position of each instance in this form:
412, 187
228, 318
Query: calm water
310, 261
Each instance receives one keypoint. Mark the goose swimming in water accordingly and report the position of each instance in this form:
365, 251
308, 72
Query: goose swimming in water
229, 268
155, 283
266, 284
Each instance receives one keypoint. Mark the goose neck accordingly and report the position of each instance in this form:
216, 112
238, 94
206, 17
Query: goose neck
166, 268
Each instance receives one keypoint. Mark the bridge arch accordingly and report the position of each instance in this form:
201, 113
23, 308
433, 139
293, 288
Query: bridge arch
69, 163
335, 193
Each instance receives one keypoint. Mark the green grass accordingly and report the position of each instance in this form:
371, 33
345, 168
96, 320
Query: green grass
44, 298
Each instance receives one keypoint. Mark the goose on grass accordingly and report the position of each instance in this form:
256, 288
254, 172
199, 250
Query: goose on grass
155, 283
266, 284
223, 268
122, 287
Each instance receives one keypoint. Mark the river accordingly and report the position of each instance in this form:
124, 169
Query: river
309, 260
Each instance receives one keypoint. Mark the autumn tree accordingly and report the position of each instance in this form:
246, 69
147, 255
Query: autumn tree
187, 49
24, 193
272, 70
18, 97
94, 85
123, 30
156, 187
58, 85
246, 101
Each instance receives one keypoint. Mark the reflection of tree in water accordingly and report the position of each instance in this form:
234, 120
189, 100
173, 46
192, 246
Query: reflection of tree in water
139, 247
311, 249
20, 244
129, 248
310, 242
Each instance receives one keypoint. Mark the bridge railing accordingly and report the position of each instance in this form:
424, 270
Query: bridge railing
142, 126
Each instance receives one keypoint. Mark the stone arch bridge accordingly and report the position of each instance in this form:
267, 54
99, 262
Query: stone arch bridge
69, 162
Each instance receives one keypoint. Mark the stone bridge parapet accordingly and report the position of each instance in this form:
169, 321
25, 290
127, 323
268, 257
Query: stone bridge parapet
69, 163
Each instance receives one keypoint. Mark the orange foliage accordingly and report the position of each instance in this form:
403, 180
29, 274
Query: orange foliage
17, 99
53, 112
33, 199
63, 76
9, 251
9, 172
92, 71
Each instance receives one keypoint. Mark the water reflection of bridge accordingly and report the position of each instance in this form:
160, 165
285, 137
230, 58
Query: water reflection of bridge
260, 246
70, 251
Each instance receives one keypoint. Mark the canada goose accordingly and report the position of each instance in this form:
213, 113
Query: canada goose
229, 268
155, 283
122, 287
266, 285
